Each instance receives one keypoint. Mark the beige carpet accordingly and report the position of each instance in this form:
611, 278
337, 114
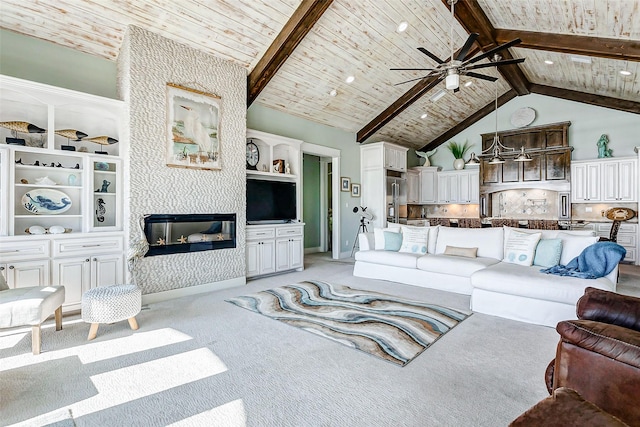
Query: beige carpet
201, 361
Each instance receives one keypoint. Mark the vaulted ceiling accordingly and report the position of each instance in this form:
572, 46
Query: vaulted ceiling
296, 52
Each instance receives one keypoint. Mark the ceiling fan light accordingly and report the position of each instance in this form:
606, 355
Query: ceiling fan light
452, 81
523, 157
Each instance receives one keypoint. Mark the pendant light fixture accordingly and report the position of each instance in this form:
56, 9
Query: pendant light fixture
473, 160
497, 150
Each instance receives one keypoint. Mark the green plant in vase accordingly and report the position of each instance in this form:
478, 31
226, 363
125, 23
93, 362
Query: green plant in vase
458, 151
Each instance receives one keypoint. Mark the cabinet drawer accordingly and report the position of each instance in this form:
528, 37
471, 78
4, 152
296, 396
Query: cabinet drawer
289, 231
261, 233
627, 240
24, 250
86, 246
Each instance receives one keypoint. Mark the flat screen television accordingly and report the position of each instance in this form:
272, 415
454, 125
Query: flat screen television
271, 201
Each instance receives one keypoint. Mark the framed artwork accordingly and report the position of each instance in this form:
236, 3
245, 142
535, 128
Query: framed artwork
355, 190
345, 184
192, 128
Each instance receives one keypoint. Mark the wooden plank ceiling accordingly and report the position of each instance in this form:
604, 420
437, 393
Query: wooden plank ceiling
302, 65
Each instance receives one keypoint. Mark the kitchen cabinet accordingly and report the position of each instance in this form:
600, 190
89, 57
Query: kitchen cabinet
395, 158
22, 274
604, 180
413, 186
458, 186
428, 185
274, 248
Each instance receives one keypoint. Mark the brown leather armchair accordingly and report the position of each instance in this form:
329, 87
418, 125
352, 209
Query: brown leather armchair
598, 355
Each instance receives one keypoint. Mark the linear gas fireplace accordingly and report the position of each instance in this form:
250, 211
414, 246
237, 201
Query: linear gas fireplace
181, 233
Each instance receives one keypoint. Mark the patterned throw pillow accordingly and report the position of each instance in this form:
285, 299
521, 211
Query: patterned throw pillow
414, 240
548, 252
392, 241
521, 247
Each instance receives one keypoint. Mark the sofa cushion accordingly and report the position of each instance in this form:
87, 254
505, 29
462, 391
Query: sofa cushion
487, 240
529, 282
378, 236
397, 259
521, 247
546, 234
392, 241
548, 252
454, 265
572, 246
414, 239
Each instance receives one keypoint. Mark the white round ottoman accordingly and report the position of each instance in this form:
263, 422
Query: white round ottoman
110, 304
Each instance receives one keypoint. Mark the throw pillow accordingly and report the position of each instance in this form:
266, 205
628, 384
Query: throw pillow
572, 246
378, 237
465, 252
392, 241
521, 247
414, 240
548, 252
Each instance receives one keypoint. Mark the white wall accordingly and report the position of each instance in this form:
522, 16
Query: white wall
147, 62
588, 123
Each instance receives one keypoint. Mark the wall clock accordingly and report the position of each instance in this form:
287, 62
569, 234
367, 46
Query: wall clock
253, 155
523, 117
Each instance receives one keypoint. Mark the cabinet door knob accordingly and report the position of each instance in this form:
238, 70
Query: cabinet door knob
95, 259
86, 260
1, 268
11, 267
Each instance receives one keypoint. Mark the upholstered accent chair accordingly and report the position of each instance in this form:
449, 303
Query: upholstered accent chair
30, 306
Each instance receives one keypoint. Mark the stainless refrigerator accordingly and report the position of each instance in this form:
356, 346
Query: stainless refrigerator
396, 200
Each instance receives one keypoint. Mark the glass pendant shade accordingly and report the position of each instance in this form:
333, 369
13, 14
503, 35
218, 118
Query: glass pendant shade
473, 160
522, 157
452, 81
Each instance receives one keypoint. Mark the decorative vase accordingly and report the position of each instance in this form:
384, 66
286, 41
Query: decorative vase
458, 164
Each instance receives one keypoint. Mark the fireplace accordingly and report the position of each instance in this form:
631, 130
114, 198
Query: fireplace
182, 233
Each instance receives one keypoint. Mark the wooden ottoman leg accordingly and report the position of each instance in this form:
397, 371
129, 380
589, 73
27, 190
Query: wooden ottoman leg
35, 339
58, 316
133, 323
93, 331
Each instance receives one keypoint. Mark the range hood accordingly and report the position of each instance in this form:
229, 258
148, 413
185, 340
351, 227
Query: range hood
549, 169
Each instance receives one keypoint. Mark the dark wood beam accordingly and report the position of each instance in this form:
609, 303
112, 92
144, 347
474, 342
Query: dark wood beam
298, 26
473, 19
579, 45
588, 98
409, 97
484, 111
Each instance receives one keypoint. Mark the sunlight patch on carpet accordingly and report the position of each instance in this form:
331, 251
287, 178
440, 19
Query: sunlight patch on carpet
230, 414
392, 328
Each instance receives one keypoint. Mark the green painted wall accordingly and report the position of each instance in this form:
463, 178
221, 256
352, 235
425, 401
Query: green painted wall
311, 214
42, 61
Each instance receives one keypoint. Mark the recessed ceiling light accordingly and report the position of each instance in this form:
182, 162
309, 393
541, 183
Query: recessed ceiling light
439, 94
625, 73
402, 26
548, 62
469, 83
424, 116
350, 79
333, 92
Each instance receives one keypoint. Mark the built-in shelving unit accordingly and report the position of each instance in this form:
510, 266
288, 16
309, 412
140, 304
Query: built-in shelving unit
61, 220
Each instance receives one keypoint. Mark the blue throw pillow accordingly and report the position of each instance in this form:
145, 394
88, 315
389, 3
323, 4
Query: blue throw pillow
548, 252
392, 241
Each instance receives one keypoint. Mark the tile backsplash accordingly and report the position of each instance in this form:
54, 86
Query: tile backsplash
525, 204
595, 211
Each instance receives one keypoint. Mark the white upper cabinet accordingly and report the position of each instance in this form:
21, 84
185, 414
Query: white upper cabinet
604, 180
395, 157
458, 186
413, 186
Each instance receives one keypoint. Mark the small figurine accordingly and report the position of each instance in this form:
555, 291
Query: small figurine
77, 166
100, 211
37, 163
59, 165
425, 155
52, 165
603, 151
105, 185
287, 169
19, 161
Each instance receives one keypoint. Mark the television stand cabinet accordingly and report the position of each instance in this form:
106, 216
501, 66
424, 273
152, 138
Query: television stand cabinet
274, 248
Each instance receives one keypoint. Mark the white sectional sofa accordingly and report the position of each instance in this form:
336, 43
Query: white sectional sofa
497, 287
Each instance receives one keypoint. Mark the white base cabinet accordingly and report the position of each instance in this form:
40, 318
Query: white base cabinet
274, 248
23, 274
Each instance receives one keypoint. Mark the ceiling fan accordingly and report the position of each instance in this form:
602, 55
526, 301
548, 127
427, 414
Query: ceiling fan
452, 70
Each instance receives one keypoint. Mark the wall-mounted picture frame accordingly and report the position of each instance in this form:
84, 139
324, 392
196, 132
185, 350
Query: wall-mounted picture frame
355, 190
345, 184
193, 123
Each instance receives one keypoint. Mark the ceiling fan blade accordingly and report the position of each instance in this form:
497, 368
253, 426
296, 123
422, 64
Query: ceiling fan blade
490, 52
431, 55
495, 64
412, 69
467, 45
481, 76
419, 78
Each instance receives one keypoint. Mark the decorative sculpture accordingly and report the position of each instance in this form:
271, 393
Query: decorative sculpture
105, 186
425, 155
71, 135
24, 127
603, 151
102, 140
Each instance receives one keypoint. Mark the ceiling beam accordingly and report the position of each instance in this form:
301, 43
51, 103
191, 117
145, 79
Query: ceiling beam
473, 19
588, 98
298, 26
578, 45
409, 97
484, 111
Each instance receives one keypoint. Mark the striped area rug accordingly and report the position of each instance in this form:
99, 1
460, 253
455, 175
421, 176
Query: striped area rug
394, 329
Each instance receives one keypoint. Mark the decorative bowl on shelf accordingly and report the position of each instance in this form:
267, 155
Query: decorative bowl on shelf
46, 201
102, 166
